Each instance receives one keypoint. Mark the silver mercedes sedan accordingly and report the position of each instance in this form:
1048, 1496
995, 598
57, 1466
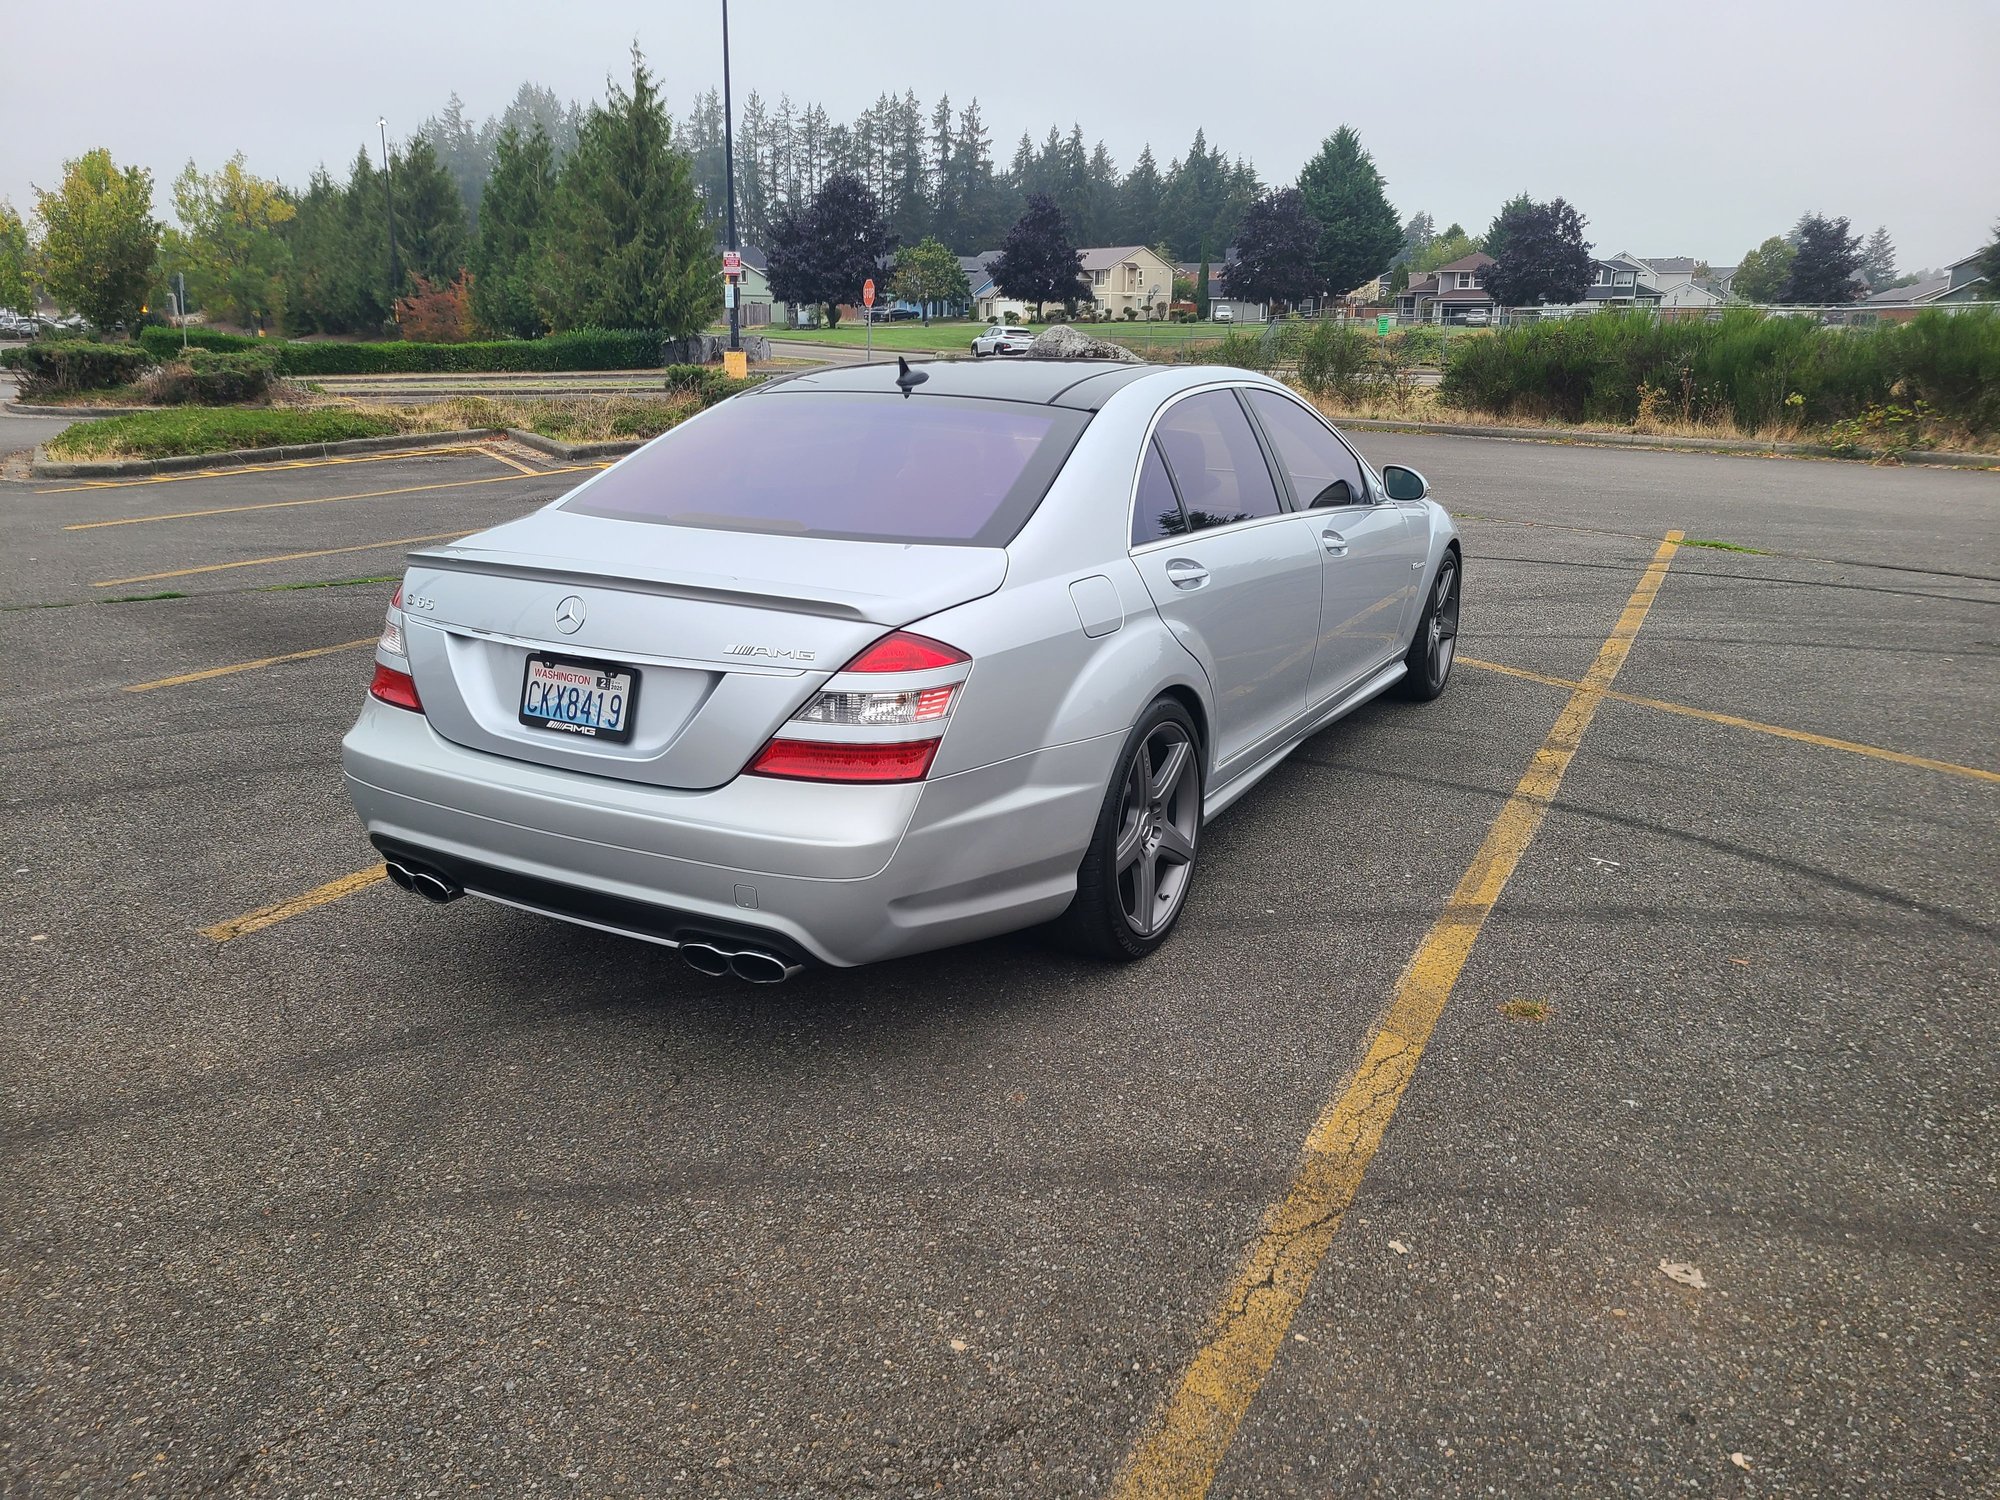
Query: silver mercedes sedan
875, 660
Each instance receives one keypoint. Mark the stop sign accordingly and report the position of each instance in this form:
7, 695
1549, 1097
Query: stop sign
868, 292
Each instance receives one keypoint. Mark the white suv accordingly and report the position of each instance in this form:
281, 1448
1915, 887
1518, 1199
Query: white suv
1001, 339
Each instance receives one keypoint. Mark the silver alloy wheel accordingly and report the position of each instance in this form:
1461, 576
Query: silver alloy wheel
1159, 819
1444, 624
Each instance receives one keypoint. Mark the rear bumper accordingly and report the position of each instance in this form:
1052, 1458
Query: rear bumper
842, 874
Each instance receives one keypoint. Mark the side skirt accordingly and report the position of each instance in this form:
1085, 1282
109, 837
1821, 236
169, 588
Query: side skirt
1219, 798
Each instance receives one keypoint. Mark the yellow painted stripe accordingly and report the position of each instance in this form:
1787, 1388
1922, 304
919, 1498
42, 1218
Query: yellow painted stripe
249, 666
1780, 731
230, 471
513, 462
265, 916
1178, 1455
258, 562
235, 510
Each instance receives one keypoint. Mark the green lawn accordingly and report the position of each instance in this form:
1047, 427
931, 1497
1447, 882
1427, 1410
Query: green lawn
195, 429
893, 336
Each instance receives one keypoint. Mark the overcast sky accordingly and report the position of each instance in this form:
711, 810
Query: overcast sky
1696, 128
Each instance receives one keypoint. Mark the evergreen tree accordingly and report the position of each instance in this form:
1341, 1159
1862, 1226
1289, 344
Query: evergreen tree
1988, 265
755, 193
1140, 202
1038, 261
947, 214
701, 139
625, 245
1417, 233
821, 253
1275, 249
1543, 255
514, 218
560, 120
1201, 280
1103, 202
465, 157
430, 217
1361, 233
982, 201
1822, 272
1878, 259
1196, 189
910, 210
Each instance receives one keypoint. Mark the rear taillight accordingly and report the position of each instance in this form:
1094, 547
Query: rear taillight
879, 718
394, 685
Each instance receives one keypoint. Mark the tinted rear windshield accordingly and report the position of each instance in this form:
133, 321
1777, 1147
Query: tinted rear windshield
851, 466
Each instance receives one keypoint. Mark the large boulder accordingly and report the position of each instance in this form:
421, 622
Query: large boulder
1065, 342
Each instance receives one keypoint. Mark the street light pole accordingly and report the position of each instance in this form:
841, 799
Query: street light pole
389, 195
729, 178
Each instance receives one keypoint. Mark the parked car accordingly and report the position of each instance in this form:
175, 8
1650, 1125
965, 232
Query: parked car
896, 315
864, 663
1002, 339
1222, 312
14, 325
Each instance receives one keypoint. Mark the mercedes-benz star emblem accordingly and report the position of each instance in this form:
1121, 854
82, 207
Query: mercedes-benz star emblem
569, 615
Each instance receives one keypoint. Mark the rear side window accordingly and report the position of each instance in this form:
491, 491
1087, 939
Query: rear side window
1321, 469
1216, 461
848, 466
1156, 510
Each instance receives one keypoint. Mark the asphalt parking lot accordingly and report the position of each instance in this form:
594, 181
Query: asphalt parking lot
312, 1188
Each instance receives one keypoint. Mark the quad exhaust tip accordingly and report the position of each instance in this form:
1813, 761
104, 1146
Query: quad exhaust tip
751, 965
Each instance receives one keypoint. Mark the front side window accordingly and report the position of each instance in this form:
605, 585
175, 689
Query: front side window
1217, 464
1321, 470
1156, 510
846, 465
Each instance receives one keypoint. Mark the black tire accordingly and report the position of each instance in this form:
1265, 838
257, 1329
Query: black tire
1435, 646
1143, 852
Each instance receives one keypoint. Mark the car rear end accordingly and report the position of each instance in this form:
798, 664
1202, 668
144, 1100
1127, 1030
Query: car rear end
695, 701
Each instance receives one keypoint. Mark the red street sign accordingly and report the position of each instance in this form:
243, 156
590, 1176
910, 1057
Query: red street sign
732, 263
868, 292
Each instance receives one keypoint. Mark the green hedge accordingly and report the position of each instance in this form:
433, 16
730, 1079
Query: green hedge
166, 434
1747, 367
584, 349
207, 377
51, 367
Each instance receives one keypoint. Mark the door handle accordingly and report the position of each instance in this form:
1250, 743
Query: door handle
1183, 573
1334, 542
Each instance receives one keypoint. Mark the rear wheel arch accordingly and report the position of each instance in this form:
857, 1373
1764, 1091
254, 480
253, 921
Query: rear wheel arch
1190, 700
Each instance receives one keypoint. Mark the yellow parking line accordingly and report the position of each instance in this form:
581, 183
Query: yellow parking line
258, 562
1178, 1455
249, 666
1804, 737
232, 470
233, 510
264, 916
513, 462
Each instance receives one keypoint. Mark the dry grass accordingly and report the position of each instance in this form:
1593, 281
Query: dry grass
1423, 405
568, 419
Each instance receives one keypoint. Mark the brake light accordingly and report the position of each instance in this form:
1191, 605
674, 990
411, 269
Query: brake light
870, 722
398, 689
905, 652
392, 626
819, 760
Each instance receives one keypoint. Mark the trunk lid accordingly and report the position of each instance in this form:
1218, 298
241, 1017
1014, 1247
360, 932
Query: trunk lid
729, 632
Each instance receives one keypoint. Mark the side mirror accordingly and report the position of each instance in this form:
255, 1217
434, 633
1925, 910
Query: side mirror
1404, 484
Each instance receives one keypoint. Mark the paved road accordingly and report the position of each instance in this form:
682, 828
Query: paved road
433, 1200
19, 434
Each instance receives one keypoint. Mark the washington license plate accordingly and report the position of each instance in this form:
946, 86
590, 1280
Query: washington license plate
587, 698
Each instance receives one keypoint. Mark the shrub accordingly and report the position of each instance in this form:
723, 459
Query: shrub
705, 381
1335, 359
207, 377
59, 366
435, 314
164, 434
582, 349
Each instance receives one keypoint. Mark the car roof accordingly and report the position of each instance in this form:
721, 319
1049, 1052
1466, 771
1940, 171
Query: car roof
1081, 384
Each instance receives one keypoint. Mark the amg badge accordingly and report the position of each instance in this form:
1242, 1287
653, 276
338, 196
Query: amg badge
776, 652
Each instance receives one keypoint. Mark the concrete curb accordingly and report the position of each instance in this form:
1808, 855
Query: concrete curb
19, 409
1665, 444
571, 452
42, 468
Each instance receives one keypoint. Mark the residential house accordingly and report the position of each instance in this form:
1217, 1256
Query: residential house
753, 291
987, 304
1622, 281
1449, 294
1130, 277
1220, 304
1959, 282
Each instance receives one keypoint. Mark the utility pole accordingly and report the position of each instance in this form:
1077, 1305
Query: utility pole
389, 194
729, 178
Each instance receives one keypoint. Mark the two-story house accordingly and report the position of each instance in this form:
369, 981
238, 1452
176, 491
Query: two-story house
1128, 276
1961, 282
1450, 293
1621, 281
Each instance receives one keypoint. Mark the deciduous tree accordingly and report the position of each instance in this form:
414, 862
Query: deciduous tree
1761, 274
1359, 232
1275, 249
17, 281
99, 238
821, 253
229, 243
625, 245
1822, 272
1543, 255
1038, 261
928, 274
